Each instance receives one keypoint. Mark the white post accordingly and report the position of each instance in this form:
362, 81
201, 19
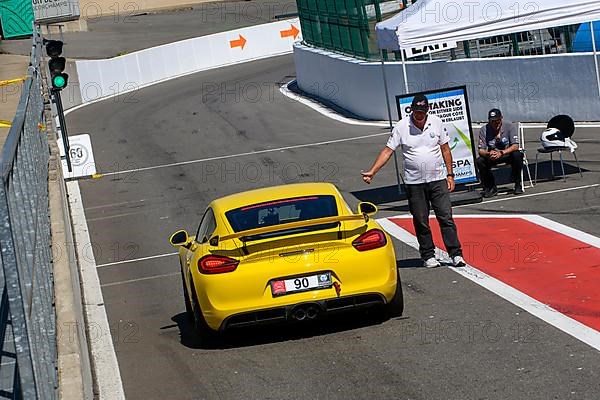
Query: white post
385, 88
404, 72
595, 58
387, 103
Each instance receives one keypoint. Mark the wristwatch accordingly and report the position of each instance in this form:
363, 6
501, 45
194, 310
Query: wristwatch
450, 175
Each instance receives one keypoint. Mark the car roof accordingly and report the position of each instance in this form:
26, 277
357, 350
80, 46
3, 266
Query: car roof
255, 196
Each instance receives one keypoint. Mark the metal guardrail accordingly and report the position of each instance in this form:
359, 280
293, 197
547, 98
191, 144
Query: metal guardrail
27, 316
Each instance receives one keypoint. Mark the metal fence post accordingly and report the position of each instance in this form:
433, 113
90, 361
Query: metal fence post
594, 54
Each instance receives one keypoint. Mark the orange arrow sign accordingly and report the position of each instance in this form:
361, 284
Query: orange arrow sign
293, 31
241, 42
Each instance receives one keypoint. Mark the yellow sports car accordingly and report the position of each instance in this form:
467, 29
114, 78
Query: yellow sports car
292, 252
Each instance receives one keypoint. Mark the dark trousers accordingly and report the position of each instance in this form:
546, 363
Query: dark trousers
484, 165
421, 198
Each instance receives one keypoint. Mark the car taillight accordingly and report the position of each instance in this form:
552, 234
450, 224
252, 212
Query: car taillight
217, 264
370, 240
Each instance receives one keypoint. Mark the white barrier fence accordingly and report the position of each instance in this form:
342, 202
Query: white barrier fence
527, 89
102, 78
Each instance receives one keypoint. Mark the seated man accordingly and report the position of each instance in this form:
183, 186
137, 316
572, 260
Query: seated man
498, 143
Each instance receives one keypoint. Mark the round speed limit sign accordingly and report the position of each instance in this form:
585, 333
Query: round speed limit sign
79, 154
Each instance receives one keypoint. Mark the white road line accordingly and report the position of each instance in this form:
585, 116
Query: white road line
522, 196
136, 260
143, 211
141, 279
106, 368
534, 218
122, 203
568, 325
249, 153
537, 125
564, 229
327, 112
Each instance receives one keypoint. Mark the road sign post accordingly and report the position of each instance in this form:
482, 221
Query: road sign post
63, 126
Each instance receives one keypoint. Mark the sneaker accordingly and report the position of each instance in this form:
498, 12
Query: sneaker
458, 261
490, 192
518, 188
431, 263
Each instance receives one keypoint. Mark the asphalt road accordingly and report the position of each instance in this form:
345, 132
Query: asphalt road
456, 339
127, 28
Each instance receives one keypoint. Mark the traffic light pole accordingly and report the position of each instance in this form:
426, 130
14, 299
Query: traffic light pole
63, 126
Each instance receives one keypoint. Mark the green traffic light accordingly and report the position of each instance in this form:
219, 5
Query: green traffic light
59, 82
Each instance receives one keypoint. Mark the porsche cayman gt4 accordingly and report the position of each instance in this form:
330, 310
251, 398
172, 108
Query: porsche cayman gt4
292, 252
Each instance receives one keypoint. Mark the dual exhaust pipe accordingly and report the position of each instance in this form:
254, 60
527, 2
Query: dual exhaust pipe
305, 312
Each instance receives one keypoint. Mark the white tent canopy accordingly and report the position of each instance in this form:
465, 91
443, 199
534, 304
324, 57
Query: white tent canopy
433, 21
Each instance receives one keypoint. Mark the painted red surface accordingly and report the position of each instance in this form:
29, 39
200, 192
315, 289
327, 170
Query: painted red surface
551, 267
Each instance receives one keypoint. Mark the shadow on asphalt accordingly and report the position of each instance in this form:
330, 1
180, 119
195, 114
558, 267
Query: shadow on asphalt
380, 195
410, 263
277, 333
545, 169
390, 194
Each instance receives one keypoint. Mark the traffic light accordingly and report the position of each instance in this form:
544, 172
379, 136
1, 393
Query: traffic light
56, 64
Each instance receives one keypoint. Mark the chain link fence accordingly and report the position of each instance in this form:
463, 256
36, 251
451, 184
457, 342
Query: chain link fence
27, 316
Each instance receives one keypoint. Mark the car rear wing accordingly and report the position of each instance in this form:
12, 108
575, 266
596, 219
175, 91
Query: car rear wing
290, 225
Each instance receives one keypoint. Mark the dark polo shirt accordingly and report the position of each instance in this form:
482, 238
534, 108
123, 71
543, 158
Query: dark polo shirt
508, 136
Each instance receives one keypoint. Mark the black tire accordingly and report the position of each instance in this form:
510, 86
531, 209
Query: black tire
395, 307
188, 304
206, 335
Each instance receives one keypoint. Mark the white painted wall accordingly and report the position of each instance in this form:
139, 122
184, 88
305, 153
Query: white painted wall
102, 78
527, 89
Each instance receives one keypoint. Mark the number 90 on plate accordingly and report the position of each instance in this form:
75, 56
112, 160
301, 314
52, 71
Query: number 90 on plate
301, 284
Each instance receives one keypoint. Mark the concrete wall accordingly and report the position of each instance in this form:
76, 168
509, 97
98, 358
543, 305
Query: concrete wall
97, 79
527, 89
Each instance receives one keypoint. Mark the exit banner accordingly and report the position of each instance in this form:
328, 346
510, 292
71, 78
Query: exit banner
451, 105
429, 49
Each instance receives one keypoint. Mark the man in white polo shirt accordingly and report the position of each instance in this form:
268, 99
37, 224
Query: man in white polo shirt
428, 177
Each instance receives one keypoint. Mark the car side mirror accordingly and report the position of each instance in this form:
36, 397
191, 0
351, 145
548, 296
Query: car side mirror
364, 207
179, 238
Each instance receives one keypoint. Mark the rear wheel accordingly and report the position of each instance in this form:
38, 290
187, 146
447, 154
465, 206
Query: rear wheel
204, 332
188, 305
395, 307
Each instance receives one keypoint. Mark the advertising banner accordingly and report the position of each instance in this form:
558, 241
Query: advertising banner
452, 106
53, 11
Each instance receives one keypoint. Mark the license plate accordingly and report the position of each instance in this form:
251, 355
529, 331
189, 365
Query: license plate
301, 284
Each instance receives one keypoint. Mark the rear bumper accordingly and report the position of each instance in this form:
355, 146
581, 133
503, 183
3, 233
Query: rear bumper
303, 311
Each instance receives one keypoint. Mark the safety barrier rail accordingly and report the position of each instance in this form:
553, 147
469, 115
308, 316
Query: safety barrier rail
28, 352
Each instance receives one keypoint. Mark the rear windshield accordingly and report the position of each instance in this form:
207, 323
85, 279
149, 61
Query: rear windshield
281, 212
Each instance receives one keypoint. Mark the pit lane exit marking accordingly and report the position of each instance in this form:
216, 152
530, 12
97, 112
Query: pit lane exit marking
535, 307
